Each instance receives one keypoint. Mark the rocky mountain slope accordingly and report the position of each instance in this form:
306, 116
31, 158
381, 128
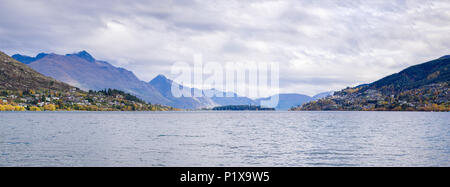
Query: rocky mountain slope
18, 76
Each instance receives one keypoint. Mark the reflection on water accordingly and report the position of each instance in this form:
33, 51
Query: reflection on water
224, 139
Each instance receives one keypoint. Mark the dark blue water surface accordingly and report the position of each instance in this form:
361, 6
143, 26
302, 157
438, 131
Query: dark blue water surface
224, 139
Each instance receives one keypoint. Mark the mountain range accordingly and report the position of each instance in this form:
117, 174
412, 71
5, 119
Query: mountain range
421, 87
22, 88
84, 71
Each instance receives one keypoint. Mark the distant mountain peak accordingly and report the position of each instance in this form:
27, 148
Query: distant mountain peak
27, 59
41, 55
84, 55
160, 78
328, 93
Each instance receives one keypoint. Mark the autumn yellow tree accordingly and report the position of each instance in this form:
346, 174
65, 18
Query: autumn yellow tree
50, 107
19, 108
34, 108
93, 108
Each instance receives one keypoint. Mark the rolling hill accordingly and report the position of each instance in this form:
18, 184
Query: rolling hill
423, 87
18, 76
434, 71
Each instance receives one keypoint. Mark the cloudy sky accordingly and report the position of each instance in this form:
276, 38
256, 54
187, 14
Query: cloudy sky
321, 45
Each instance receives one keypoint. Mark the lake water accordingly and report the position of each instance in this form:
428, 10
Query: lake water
224, 139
